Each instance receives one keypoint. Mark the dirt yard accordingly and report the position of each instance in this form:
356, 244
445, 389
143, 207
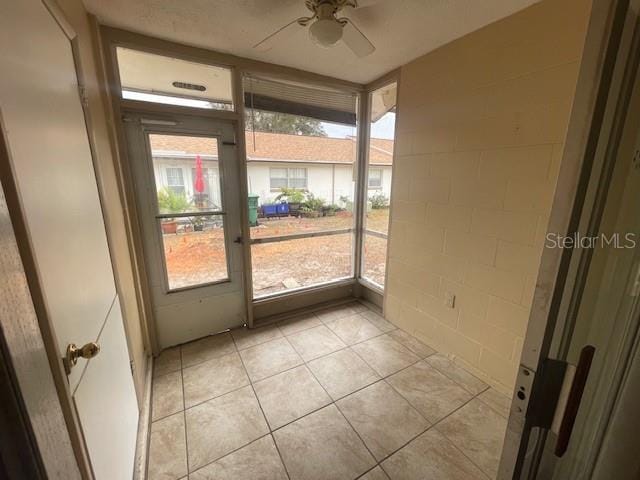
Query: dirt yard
199, 257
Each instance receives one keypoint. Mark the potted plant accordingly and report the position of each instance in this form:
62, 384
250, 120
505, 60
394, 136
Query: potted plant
294, 197
310, 213
171, 202
198, 223
330, 210
312, 207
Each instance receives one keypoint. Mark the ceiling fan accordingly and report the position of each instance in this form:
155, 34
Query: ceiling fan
325, 28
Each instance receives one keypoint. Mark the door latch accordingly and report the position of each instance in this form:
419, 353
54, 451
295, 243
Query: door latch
238, 240
88, 350
556, 399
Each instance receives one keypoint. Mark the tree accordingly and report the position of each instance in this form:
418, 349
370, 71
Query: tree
274, 122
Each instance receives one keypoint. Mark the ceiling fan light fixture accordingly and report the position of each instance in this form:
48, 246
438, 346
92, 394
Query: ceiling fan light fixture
325, 32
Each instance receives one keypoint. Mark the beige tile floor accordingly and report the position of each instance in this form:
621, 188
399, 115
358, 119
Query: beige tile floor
339, 394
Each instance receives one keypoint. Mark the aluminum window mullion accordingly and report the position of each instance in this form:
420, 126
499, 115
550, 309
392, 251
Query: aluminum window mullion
190, 214
374, 233
298, 236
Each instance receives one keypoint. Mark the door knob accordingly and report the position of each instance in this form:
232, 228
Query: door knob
88, 350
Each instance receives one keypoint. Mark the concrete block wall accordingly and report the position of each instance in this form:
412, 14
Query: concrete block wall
481, 126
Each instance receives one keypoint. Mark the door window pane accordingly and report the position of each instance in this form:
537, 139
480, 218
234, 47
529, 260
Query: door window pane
155, 78
194, 250
186, 173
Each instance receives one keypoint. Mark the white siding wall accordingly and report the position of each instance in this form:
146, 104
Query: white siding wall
326, 181
320, 180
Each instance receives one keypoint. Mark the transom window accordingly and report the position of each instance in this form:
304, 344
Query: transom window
175, 180
287, 178
375, 178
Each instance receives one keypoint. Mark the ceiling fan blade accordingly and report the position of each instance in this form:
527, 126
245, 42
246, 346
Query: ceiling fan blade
288, 30
356, 40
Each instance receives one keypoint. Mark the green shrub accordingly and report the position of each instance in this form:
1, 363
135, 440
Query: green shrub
379, 200
292, 195
314, 203
172, 202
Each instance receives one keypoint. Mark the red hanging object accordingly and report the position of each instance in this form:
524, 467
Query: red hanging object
199, 181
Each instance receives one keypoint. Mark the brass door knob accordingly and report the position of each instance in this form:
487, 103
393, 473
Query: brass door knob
88, 350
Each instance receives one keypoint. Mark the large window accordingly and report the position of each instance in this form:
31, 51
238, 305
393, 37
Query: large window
300, 162
280, 178
380, 159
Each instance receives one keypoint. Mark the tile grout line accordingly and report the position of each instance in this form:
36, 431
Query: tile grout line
332, 401
335, 404
184, 414
266, 421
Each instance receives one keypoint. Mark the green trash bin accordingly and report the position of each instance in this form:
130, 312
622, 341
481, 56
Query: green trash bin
253, 209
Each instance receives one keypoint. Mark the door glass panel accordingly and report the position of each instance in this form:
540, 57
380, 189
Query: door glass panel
186, 172
194, 250
187, 178
159, 79
378, 184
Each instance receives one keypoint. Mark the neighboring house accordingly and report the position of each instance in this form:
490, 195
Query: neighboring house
321, 165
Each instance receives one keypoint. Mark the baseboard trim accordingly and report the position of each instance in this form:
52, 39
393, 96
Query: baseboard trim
144, 427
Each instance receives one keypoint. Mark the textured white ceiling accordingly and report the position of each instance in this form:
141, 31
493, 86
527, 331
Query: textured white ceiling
401, 30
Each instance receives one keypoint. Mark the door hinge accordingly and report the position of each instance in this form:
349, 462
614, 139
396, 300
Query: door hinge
131, 366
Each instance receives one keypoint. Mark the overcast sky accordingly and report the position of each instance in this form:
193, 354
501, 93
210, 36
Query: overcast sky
383, 128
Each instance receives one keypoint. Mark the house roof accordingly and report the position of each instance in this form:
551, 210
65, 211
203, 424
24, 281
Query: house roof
277, 147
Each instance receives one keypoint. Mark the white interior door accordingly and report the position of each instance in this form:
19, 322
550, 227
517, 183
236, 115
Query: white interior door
186, 173
52, 164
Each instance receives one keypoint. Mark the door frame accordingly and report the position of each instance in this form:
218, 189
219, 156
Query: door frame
139, 125
31, 337
110, 38
577, 206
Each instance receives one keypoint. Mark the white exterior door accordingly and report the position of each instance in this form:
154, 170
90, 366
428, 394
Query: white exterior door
52, 164
186, 178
